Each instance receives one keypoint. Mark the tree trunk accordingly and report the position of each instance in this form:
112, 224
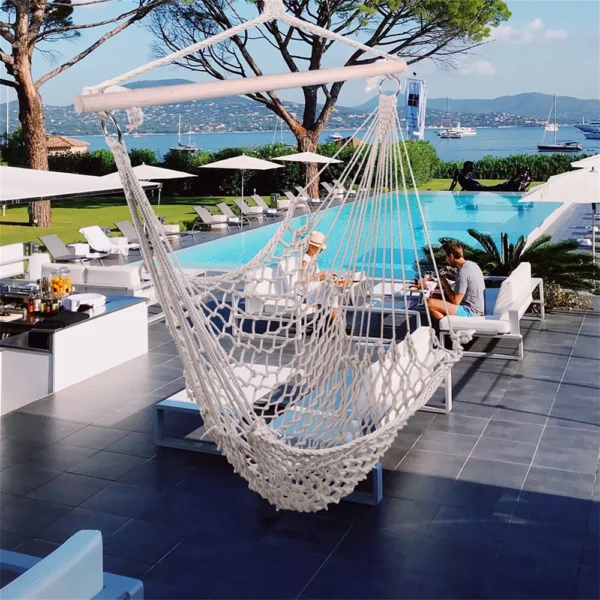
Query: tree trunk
307, 142
31, 116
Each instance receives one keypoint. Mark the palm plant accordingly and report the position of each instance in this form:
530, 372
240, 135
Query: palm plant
554, 262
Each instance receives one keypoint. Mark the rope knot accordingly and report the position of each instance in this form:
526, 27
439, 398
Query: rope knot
273, 9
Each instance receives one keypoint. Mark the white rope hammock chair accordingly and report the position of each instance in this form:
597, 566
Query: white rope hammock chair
334, 402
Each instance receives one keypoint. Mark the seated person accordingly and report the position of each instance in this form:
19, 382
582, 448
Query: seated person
465, 298
313, 275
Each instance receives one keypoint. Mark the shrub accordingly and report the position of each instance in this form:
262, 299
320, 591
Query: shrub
140, 156
542, 166
556, 298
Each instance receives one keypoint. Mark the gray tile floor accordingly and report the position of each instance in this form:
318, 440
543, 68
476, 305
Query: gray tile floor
497, 500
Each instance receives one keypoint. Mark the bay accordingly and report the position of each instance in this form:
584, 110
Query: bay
488, 141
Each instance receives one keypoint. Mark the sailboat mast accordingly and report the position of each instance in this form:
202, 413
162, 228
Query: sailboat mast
555, 126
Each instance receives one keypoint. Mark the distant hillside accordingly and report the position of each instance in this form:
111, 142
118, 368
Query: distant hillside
147, 83
532, 105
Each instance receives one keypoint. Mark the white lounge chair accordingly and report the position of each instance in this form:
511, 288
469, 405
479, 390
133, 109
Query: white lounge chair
60, 253
250, 212
303, 198
100, 242
130, 232
74, 571
334, 192
503, 321
268, 211
300, 200
232, 218
210, 221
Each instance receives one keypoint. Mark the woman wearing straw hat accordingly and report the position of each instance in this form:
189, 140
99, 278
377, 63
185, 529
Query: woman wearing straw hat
317, 293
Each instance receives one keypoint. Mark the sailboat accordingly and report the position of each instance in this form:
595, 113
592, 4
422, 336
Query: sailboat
189, 147
557, 146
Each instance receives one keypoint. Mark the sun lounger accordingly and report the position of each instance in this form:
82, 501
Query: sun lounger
60, 253
209, 221
303, 199
250, 212
232, 218
269, 212
300, 200
74, 571
100, 242
503, 313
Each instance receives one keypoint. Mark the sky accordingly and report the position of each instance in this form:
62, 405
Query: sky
548, 46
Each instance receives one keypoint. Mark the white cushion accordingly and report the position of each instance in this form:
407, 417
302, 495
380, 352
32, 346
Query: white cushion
127, 277
493, 325
13, 256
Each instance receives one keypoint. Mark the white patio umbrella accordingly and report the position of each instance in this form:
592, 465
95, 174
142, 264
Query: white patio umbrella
308, 158
146, 172
589, 162
576, 187
243, 163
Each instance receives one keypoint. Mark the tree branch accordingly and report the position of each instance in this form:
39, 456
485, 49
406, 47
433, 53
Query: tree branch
6, 59
8, 83
134, 12
140, 14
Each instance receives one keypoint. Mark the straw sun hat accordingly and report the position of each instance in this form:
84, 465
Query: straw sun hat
317, 239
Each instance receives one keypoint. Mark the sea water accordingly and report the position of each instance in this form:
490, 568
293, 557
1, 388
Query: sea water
488, 141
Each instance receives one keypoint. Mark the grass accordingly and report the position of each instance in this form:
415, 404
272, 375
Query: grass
69, 216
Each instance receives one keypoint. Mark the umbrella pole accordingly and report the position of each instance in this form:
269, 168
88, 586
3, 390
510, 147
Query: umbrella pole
242, 184
158, 206
593, 232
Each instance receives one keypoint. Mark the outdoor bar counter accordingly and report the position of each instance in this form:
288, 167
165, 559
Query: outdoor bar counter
49, 353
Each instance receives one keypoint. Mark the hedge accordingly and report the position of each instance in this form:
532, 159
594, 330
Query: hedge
542, 166
207, 182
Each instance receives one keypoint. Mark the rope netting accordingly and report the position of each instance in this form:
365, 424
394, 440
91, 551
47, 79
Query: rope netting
299, 382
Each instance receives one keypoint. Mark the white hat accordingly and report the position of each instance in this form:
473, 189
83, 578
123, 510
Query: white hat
317, 239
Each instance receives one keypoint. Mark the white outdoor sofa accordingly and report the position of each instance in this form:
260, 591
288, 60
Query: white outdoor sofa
504, 312
12, 260
122, 280
74, 571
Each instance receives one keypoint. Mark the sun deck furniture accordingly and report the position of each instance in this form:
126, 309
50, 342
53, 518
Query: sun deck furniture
60, 253
100, 242
342, 187
269, 212
207, 220
74, 571
232, 218
12, 260
55, 352
250, 212
335, 192
300, 200
503, 312
129, 231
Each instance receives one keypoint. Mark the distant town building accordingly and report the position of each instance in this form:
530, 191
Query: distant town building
60, 144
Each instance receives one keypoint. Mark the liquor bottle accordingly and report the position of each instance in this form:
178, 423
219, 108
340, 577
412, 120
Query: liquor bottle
37, 299
31, 303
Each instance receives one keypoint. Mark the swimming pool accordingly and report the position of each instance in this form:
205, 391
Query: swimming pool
447, 215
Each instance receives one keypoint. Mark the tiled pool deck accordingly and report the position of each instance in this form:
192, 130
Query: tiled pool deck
500, 499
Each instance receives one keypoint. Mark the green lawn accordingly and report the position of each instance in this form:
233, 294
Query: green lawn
69, 216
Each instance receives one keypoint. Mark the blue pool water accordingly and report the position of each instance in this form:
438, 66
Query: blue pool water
447, 215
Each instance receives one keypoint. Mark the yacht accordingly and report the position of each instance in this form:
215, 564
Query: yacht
557, 146
189, 147
451, 134
550, 127
466, 131
335, 137
590, 130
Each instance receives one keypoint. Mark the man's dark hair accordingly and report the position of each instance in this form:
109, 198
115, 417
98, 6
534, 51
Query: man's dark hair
453, 248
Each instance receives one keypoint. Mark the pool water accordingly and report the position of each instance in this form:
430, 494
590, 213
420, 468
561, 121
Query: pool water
447, 214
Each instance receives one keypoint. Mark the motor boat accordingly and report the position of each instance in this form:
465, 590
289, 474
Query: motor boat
590, 130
